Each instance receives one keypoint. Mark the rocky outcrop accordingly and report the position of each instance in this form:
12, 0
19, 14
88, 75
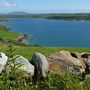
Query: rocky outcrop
22, 38
41, 65
67, 61
3, 61
86, 58
25, 65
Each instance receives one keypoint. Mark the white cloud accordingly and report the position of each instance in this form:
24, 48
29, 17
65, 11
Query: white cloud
7, 4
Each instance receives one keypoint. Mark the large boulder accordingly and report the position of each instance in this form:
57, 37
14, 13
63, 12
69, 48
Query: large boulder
41, 65
67, 61
3, 61
24, 65
86, 59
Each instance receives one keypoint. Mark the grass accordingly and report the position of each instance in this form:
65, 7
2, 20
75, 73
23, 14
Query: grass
62, 81
2, 19
14, 80
8, 37
27, 51
3, 28
4, 33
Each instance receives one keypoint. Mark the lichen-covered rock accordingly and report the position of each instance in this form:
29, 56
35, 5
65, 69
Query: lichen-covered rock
3, 61
86, 59
24, 65
68, 61
41, 65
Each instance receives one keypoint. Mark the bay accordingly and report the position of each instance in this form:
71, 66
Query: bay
53, 33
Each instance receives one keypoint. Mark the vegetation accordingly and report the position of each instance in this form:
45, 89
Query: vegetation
2, 19
8, 37
63, 16
3, 28
70, 16
15, 80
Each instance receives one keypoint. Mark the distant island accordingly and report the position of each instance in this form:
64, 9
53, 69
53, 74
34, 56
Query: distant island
57, 16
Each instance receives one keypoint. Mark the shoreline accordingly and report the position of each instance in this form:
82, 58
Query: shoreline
82, 20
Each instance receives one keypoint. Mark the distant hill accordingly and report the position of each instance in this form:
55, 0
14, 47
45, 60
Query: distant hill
58, 16
18, 13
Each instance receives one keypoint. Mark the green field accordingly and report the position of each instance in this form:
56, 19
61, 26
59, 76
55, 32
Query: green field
8, 37
6, 34
2, 19
27, 51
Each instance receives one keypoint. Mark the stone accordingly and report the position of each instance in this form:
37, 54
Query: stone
86, 59
25, 65
67, 61
3, 61
41, 65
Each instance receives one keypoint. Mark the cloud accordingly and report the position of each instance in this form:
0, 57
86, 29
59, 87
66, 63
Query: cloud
7, 4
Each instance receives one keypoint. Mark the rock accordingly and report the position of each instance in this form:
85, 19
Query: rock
73, 54
26, 66
22, 38
86, 59
41, 65
3, 61
67, 61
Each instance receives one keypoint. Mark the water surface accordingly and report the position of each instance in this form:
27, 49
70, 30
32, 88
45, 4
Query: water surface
52, 32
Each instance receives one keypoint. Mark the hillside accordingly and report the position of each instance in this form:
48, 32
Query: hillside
58, 16
2, 19
18, 13
8, 37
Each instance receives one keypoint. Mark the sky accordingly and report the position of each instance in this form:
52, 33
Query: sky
45, 6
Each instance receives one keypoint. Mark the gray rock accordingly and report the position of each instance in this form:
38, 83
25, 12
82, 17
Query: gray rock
86, 59
3, 61
67, 61
25, 65
41, 65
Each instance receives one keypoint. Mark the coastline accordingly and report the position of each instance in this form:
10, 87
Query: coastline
57, 16
9, 37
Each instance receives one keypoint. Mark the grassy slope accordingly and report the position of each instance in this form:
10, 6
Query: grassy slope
2, 19
4, 33
27, 51
3, 28
7, 36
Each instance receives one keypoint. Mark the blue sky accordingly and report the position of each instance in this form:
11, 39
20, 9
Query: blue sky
45, 6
